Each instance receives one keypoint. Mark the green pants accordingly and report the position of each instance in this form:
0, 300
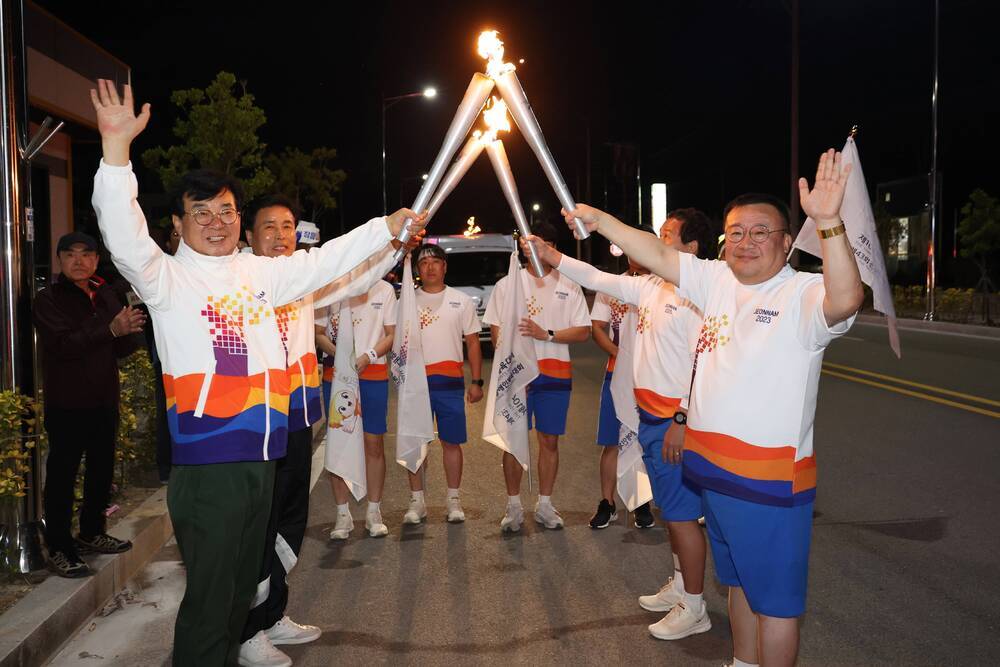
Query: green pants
220, 513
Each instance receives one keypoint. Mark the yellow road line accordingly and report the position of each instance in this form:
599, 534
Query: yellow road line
930, 387
915, 394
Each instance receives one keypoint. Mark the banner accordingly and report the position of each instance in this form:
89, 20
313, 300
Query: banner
345, 440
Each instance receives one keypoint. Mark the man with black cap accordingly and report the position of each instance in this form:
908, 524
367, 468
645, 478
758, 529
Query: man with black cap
83, 327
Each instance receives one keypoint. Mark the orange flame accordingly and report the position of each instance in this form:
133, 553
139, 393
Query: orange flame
490, 47
472, 228
496, 117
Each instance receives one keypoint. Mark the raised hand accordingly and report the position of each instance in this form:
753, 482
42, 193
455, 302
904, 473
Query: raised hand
822, 203
546, 253
116, 120
396, 220
588, 215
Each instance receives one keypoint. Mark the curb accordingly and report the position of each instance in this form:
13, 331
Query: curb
33, 630
937, 327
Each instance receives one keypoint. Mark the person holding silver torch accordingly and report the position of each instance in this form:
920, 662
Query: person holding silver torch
558, 317
749, 436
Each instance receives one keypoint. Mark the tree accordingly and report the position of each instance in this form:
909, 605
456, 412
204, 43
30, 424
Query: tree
217, 129
979, 235
308, 178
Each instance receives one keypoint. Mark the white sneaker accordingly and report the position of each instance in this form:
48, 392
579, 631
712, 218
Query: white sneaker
287, 631
512, 519
343, 527
681, 622
455, 513
258, 651
548, 516
373, 522
663, 600
416, 513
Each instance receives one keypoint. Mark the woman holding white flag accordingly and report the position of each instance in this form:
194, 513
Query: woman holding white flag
667, 329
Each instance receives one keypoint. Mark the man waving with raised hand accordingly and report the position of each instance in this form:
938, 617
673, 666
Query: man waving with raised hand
749, 439
224, 366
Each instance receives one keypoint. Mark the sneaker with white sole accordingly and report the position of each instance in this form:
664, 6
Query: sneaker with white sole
547, 515
512, 519
258, 651
287, 631
455, 513
664, 599
682, 621
416, 513
374, 525
343, 527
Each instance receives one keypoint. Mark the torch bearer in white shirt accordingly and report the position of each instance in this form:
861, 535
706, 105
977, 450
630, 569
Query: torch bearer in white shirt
475, 97
491, 48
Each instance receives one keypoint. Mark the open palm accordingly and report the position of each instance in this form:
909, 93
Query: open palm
116, 119
824, 200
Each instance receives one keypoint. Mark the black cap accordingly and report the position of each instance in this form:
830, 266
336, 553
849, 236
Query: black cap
69, 240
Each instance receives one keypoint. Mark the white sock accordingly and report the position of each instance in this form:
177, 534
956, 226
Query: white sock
678, 575
739, 663
694, 602
544, 500
343, 509
374, 507
452, 493
514, 501
417, 495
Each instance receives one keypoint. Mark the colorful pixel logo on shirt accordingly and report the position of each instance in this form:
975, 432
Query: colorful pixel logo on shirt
711, 337
618, 310
642, 323
534, 308
283, 315
227, 316
427, 317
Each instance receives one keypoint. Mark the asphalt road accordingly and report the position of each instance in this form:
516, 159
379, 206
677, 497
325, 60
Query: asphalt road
903, 565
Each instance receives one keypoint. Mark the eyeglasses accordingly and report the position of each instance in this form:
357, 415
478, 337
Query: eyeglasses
758, 233
204, 216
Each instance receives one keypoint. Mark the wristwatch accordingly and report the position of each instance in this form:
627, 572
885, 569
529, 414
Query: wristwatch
552, 335
478, 383
680, 418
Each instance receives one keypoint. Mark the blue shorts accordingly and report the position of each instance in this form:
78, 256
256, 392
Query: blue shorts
374, 404
677, 498
448, 408
607, 420
764, 549
548, 403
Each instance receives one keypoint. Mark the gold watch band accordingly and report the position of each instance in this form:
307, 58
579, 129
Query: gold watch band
833, 231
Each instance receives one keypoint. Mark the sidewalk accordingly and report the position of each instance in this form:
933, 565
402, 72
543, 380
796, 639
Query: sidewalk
35, 628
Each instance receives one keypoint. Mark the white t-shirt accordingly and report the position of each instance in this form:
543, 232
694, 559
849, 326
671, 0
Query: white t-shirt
611, 310
370, 312
554, 302
446, 318
759, 356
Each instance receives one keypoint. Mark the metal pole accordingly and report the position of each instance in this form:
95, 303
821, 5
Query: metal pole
385, 205
793, 196
931, 249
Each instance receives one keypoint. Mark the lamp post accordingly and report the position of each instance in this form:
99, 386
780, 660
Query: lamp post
535, 208
428, 93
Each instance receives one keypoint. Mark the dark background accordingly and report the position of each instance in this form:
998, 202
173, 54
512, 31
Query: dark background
699, 91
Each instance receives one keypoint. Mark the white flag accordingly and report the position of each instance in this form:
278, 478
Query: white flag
345, 440
414, 422
856, 212
514, 367
633, 481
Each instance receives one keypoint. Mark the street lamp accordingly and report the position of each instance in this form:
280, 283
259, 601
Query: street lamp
535, 208
427, 93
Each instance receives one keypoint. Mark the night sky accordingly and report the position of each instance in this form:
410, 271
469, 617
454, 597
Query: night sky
702, 89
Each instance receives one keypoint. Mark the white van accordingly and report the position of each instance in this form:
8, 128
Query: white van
475, 264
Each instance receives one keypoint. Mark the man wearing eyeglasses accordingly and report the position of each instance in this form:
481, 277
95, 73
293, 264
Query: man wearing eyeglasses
749, 434
215, 315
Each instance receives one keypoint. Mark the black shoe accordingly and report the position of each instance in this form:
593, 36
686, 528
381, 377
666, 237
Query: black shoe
66, 563
102, 544
605, 514
644, 516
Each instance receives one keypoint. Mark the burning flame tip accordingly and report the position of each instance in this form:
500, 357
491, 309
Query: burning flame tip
490, 47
